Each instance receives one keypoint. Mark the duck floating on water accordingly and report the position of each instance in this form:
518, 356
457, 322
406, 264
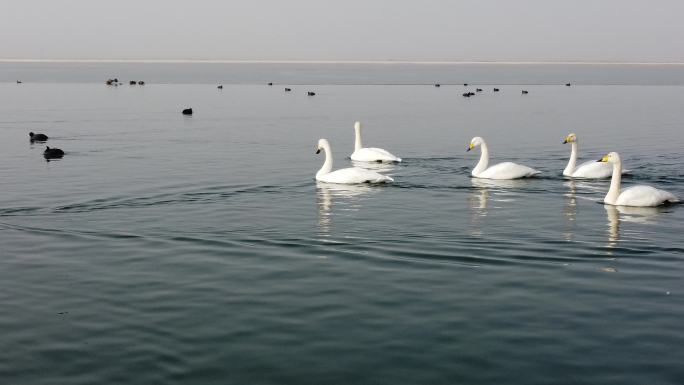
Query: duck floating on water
53, 153
38, 137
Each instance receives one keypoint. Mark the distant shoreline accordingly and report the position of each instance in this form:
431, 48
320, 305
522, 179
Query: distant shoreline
370, 62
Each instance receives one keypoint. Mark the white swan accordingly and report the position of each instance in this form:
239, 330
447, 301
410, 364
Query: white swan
370, 154
638, 196
590, 169
506, 170
352, 175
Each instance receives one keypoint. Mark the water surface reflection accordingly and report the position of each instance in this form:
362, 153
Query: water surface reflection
570, 209
618, 214
346, 197
486, 192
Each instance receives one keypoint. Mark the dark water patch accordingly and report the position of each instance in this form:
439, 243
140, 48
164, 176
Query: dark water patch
215, 194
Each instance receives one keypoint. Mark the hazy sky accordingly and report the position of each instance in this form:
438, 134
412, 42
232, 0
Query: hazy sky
525, 30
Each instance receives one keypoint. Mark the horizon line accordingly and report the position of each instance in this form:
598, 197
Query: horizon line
417, 62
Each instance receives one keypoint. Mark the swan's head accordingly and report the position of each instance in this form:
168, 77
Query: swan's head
474, 142
612, 157
322, 144
357, 126
571, 138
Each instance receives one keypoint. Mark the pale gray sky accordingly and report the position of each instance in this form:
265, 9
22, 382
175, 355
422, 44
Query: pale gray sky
508, 30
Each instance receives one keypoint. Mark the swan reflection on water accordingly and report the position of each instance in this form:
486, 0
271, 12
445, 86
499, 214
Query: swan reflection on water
478, 201
345, 196
576, 190
500, 184
570, 210
571, 204
484, 191
619, 214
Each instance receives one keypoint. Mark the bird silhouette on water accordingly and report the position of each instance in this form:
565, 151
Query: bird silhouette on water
38, 137
53, 153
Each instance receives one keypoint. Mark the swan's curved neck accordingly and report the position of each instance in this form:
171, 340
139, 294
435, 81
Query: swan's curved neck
328, 164
357, 143
614, 191
572, 163
484, 160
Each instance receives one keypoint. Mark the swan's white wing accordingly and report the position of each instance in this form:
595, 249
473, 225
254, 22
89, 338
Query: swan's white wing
507, 170
593, 170
373, 154
354, 175
644, 196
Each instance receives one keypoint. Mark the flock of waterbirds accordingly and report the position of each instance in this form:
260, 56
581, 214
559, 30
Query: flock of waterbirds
608, 166
115, 82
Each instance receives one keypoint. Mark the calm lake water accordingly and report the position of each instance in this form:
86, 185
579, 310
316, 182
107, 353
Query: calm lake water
199, 250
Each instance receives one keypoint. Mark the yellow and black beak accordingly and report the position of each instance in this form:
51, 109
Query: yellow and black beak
470, 147
565, 141
604, 159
